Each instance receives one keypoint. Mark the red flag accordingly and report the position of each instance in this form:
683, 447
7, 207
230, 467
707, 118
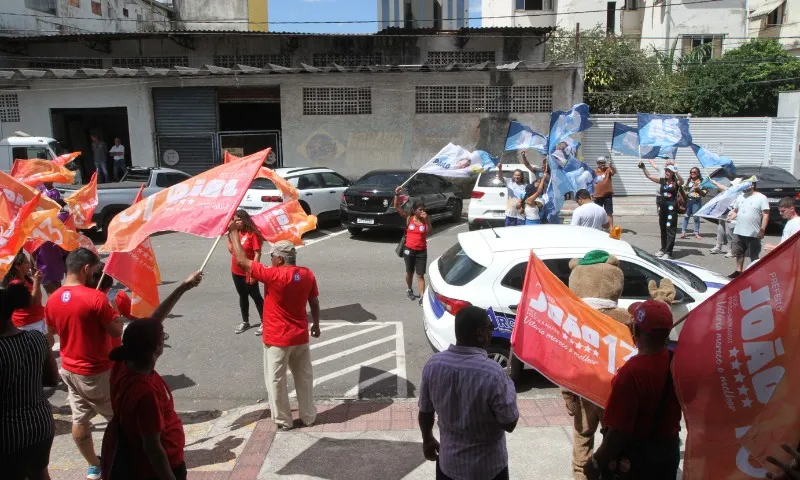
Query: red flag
288, 192
46, 227
137, 270
285, 221
86, 243
572, 344
16, 194
63, 160
36, 172
14, 236
6, 212
202, 205
82, 204
736, 368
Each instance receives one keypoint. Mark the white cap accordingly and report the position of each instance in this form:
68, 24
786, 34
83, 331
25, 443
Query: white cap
602, 159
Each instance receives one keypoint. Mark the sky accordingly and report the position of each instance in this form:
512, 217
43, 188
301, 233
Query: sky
335, 11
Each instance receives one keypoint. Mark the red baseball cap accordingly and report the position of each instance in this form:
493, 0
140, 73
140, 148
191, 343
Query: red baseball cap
651, 315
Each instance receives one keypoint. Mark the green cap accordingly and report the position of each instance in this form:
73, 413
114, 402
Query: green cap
594, 257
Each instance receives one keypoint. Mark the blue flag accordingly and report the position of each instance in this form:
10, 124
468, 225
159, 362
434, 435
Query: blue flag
564, 124
521, 137
706, 183
668, 152
709, 159
663, 130
625, 140
720, 204
486, 161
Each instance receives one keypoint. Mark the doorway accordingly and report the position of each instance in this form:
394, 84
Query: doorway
250, 121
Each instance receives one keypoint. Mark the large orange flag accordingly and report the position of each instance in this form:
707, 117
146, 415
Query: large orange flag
285, 221
138, 270
36, 172
17, 194
202, 205
46, 227
14, 236
288, 192
82, 204
736, 370
63, 160
572, 344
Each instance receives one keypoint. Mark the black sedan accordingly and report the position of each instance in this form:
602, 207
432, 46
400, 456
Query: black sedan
775, 183
368, 203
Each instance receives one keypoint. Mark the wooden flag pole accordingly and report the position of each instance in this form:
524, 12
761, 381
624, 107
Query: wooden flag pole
210, 252
101, 280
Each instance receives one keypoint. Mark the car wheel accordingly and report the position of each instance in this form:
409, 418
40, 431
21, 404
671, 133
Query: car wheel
516, 368
456, 211
305, 207
354, 230
499, 353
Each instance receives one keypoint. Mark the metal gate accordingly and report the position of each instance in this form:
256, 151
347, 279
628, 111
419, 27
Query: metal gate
186, 126
747, 141
248, 142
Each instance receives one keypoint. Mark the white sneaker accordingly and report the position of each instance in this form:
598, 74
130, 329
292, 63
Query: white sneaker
666, 256
716, 250
729, 255
659, 254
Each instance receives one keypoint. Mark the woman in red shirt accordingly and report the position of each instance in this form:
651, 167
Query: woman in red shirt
32, 317
245, 286
415, 253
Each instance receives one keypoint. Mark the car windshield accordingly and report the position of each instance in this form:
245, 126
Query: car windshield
138, 175
382, 179
675, 269
457, 268
489, 179
767, 177
57, 148
263, 184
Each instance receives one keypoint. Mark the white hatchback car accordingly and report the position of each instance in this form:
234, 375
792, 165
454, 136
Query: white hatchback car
487, 205
486, 268
320, 191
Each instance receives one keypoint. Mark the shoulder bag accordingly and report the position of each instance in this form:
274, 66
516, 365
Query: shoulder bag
401, 245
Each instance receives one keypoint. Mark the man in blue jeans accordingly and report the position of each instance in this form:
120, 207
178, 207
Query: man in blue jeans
100, 157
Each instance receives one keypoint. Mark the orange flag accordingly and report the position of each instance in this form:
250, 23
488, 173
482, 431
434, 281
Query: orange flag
82, 204
288, 192
202, 205
17, 194
138, 270
36, 172
6, 212
63, 160
14, 236
46, 227
572, 344
736, 368
285, 221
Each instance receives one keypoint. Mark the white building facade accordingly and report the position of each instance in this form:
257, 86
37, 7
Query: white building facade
779, 19
436, 14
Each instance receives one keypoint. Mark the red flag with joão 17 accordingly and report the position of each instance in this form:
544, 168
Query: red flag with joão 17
202, 205
736, 369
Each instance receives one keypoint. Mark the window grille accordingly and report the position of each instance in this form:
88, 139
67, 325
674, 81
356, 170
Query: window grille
484, 99
9, 108
438, 58
337, 101
158, 62
327, 59
260, 61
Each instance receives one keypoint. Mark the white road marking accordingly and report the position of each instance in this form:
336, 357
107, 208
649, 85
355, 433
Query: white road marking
350, 335
355, 391
324, 328
402, 383
317, 240
437, 234
343, 353
350, 369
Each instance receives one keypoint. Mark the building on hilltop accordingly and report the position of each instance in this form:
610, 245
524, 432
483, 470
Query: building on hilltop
436, 14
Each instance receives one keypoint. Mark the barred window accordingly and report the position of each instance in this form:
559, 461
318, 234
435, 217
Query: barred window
230, 61
484, 99
327, 59
438, 58
67, 63
158, 62
337, 101
9, 108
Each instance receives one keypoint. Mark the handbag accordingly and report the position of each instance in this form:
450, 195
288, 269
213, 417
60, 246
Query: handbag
401, 245
680, 207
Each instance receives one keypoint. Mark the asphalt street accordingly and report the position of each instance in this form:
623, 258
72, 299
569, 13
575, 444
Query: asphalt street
372, 343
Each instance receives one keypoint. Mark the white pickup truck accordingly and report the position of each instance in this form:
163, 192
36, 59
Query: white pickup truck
113, 198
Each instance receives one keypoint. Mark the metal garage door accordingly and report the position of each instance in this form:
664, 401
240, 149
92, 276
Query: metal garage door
747, 141
186, 125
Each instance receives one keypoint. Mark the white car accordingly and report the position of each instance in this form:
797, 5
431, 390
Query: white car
487, 205
487, 271
320, 191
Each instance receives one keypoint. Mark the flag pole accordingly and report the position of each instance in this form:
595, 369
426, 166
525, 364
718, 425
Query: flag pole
101, 280
210, 252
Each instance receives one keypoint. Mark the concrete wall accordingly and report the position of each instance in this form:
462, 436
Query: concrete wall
670, 20
35, 105
212, 14
789, 106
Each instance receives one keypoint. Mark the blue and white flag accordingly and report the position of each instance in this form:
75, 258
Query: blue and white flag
668, 152
663, 130
717, 206
625, 140
521, 137
706, 183
564, 124
709, 159
456, 161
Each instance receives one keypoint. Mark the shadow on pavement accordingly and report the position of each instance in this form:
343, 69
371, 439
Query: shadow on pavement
378, 236
177, 382
221, 453
191, 418
685, 252
376, 383
325, 458
249, 419
532, 380
353, 313
347, 411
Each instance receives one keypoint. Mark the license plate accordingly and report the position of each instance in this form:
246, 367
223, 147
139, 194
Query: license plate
365, 221
773, 200
499, 214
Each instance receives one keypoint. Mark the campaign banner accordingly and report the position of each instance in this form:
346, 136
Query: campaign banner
735, 370
14, 236
16, 194
723, 201
47, 227
522, 137
709, 159
83, 203
564, 124
663, 131
285, 221
288, 192
202, 205
575, 346
36, 172
456, 161
625, 140
65, 159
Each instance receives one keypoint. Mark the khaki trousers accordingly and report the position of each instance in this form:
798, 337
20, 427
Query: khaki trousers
586, 418
298, 359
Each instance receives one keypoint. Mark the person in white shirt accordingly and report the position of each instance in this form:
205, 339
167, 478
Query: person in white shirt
515, 187
588, 214
118, 154
787, 208
751, 212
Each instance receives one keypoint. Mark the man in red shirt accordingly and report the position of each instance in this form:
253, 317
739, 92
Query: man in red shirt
85, 322
643, 417
285, 328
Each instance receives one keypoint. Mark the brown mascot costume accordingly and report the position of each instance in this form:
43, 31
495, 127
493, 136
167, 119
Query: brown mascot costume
598, 281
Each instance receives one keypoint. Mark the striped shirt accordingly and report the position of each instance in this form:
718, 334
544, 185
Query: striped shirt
25, 415
473, 397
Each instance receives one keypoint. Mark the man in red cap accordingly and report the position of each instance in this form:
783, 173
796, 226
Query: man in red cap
642, 417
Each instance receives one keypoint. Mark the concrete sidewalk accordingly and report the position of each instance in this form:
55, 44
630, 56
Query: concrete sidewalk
351, 440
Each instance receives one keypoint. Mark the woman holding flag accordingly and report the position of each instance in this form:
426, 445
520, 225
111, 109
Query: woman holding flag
246, 287
415, 249
667, 201
695, 192
516, 192
32, 316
